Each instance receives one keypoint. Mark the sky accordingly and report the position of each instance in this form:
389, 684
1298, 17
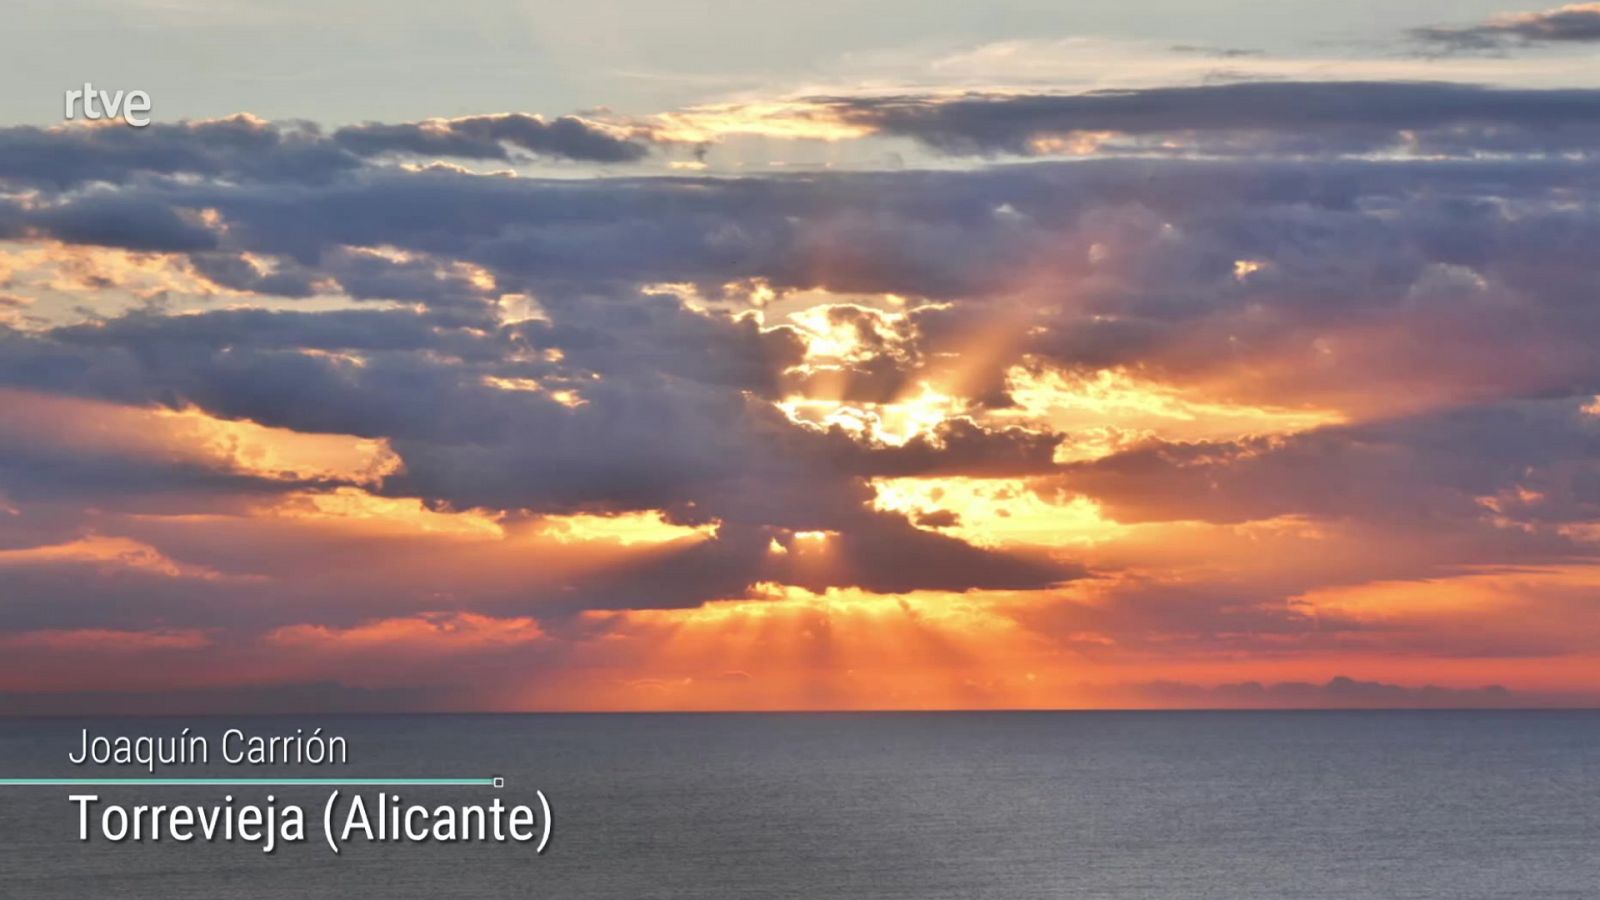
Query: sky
651, 356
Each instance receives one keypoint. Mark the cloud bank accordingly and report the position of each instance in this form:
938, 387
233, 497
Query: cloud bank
1265, 383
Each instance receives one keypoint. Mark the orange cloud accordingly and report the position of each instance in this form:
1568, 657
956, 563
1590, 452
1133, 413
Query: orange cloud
430, 633
104, 551
1111, 409
192, 437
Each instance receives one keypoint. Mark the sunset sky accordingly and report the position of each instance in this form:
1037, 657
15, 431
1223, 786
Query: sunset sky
789, 356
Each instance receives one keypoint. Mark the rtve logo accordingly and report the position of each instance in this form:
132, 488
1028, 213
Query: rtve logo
102, 105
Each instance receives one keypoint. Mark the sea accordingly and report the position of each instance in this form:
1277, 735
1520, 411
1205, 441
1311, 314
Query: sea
1346, 805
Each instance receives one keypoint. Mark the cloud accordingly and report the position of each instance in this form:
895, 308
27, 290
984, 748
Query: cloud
240, 146
1577, 23
1281, 118
616, 399
489, 137
114, 222
245, 147
1439, 471
1247, 118
1197, 408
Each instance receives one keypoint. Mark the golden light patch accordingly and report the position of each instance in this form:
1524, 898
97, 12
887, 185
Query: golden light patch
1076, 143
888, 423
996, 512
685, 291
77, 269
758, 292
70, 283
743, 297
279, 452
776, 600
565, 396
838, 332
528, 385
1110, 409
1244, 268
627, 529
392, 515
343, 359
794, 120
518, 308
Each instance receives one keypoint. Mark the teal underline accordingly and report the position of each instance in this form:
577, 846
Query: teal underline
245, 782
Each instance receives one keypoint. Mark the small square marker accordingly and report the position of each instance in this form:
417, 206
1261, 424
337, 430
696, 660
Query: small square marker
499, 782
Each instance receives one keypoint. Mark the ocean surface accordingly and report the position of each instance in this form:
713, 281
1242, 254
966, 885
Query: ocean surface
1160, 805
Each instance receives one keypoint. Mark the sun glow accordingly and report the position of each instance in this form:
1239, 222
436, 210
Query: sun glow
627, 529
799, 119
996, 512
787, 647
1110, 409
888, 423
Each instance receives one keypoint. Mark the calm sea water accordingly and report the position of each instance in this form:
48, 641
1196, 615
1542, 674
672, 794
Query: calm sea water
1344, 805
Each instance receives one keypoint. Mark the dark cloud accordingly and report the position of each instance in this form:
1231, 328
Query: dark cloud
243, 147
1576, 23
239, 147
117, 222
237, 271
875, 552
491, 137
1251, 118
